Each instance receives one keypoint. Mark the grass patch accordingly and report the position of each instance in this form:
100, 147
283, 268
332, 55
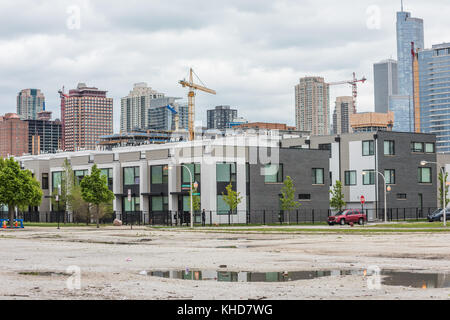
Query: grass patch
423, 225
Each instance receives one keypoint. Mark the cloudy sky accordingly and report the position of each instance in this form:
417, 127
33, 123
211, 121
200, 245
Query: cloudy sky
252, 52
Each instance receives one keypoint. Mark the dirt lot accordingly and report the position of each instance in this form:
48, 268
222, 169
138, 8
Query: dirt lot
111, 260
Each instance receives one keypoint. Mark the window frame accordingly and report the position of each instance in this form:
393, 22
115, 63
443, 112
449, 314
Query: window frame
391, 175
371, 174
314, 176
279, 175
371, 148
391, 147
420, 175
347, 174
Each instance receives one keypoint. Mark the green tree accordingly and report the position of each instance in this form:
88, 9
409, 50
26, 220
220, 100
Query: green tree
441, 195
94, 190
80, 208
337, 200
18, 188
287, 199
232, 198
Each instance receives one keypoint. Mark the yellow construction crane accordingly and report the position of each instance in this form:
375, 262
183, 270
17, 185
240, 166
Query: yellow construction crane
191, 98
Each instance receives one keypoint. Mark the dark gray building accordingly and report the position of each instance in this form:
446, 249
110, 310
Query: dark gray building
361, 161
161, 118
221, 117
44, 136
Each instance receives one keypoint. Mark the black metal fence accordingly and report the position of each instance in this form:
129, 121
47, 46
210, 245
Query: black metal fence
211, 218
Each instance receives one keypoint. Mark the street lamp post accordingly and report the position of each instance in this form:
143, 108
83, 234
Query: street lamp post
444, 200
385, 194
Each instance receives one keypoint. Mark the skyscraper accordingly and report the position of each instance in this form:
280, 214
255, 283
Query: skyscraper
161, 118
221, 117
29, 103
410, 36
341, 116
409, 30
385, 83
434, 73
135, 106
44, 135
88, 116
312, 105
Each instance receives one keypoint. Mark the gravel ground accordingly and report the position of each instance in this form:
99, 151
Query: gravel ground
111, 260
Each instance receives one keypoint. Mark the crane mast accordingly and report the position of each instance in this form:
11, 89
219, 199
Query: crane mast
191, 100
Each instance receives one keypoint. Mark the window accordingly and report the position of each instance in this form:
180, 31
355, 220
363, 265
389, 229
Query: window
318, 177
79, 175
226, 172
159, 175
133, 205
389, 175
131, 176
368, 148
429, 147
424, 175
417, 146
195, 170
56, 180
222, 207
304, 197
389, 148
368, 177
273, 173
401, 196
108, 173
160, 203
350, 178
45, 181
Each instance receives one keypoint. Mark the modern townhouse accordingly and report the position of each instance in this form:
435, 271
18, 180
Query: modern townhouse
361, 161
156, 179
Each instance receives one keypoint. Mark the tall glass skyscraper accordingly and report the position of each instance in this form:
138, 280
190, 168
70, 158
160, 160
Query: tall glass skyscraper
409, 30
434, 75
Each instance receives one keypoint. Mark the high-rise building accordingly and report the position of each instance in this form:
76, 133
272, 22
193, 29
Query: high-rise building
409, 31
410, 37
13, 136
341, 117
88, 116
44, 135
135, 106
434, 74
163, 119
29, 103
312, 105
221, 117
385, 83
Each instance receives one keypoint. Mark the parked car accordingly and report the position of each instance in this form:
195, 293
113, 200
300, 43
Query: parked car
438, 215
347, 216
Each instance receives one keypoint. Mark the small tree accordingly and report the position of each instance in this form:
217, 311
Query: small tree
232, 198
94, 190
441, 195
18, 188
79, 207
337, 200
65, 201
287, 199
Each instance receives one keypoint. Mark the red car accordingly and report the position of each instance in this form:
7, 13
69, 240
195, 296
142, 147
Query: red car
348, 216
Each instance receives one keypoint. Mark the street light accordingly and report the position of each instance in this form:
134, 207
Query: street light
444, 202
385, 194
191, 196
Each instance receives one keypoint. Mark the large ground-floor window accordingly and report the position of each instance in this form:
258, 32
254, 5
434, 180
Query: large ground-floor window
132, 206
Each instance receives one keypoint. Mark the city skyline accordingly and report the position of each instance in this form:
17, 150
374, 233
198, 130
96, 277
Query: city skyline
270, 61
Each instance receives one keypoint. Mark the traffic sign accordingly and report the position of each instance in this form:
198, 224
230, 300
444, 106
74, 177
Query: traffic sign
363, 200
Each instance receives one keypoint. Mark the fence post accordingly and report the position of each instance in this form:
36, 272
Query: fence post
313, 216
210, 218
297, 216
417, 214
264, 217
229, 218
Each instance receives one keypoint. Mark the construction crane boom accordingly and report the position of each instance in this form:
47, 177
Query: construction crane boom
354, 84
191, 100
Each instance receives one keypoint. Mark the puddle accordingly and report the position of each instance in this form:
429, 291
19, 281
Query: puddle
223, 276
416, 280
233, 247
44, 274
389, 277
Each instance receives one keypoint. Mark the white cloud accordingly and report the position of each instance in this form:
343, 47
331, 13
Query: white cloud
251, 52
